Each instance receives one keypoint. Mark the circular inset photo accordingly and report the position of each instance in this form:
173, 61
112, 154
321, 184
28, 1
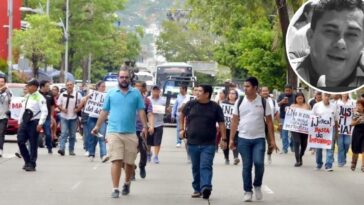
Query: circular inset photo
325, 45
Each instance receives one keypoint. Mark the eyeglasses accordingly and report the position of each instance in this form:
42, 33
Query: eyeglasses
124, 77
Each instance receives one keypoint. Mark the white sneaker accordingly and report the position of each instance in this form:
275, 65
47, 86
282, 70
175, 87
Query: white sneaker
258, 193
105, 158
248, 196
86, 154
91, 158
178, 145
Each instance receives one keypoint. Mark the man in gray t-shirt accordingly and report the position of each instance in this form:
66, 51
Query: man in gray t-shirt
155, 139
5, 98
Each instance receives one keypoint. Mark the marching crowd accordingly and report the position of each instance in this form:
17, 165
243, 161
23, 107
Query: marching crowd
131, 122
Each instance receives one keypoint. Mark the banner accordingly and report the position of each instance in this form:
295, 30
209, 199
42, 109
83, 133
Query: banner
320, 132
94, 103
346, 113
297, 120
159, 109
227, 109
15, 106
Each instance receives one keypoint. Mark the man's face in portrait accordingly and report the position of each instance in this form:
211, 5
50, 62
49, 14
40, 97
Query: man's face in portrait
336, 44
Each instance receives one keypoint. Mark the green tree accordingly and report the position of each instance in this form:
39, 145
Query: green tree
40, 43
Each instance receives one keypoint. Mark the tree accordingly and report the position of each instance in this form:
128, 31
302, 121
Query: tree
40, 42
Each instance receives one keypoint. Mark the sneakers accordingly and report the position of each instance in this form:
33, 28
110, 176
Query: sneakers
115, 194
126, 189
149, 158
196, 194
156, 160
178, 145
86, 154
50, 151
142, 173
330, 169
248, 196
91, 158
61, 152
206, 193
105, 159
236, 161
72, 153
29, 168
258, 193
227, 162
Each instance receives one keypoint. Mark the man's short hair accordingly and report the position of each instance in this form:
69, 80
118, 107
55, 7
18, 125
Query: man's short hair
43, 83
253, 81
207, 89
318, 93
288, 86
184, 87
333, 5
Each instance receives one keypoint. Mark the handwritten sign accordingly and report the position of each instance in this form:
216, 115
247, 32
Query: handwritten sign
94, 104
320, 132
159, 109
15, 107
228, 114
346, 113
297, 120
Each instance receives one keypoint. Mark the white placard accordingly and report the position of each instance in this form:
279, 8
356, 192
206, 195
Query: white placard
346, 113
320, 132
159, 109
297, 120
94, 103
227, 109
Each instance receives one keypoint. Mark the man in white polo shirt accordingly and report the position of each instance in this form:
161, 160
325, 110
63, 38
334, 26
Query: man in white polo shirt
251, 117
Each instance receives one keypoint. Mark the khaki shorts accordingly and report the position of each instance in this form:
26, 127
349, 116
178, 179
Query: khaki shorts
123, 147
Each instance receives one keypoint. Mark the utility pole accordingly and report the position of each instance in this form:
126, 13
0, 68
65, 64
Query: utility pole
66, 43
10, 39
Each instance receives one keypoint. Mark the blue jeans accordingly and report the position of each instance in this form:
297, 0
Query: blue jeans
285, 138
85, 136
92, 139
252, 151
344, 144
178, 140
329, 158
68, 129
47, 134
202, 157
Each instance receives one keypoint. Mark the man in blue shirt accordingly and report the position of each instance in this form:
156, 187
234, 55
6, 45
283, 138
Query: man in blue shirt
176, 110
120, 107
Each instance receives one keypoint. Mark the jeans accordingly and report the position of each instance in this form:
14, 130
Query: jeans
28, 131
143, 150
3, 125
85, 136
329, 158
68, 129
285, 138
47, 134
202, 157
343, 143
252, 151
92, 139
178, 140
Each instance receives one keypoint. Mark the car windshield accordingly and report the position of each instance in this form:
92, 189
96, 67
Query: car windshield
17, 92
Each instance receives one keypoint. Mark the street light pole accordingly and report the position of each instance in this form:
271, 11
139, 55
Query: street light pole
66, 44
10, 39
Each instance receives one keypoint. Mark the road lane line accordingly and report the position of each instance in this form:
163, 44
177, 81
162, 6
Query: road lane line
75, 186
267, 190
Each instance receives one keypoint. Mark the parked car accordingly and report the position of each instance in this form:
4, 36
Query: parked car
17, 90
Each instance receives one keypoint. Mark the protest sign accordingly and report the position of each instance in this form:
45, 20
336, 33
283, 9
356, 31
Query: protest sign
320, 132
297, 120
346, 113
94, 104
228, 113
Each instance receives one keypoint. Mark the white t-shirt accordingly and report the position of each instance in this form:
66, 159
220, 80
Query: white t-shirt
320, 109
273, 106
62, 101
251, 123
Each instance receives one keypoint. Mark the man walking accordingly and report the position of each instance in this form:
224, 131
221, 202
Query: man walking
5, 98
201, 116
34, 114
44, 90
68, 103
119, 108
251, 116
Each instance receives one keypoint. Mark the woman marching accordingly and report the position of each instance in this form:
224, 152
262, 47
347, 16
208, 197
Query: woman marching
357, 145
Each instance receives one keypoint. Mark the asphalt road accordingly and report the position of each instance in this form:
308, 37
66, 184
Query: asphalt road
75, 180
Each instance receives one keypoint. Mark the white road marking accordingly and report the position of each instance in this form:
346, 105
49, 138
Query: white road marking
267, 190
75, 186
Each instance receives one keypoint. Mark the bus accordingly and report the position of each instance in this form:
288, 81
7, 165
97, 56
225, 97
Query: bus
169, 71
